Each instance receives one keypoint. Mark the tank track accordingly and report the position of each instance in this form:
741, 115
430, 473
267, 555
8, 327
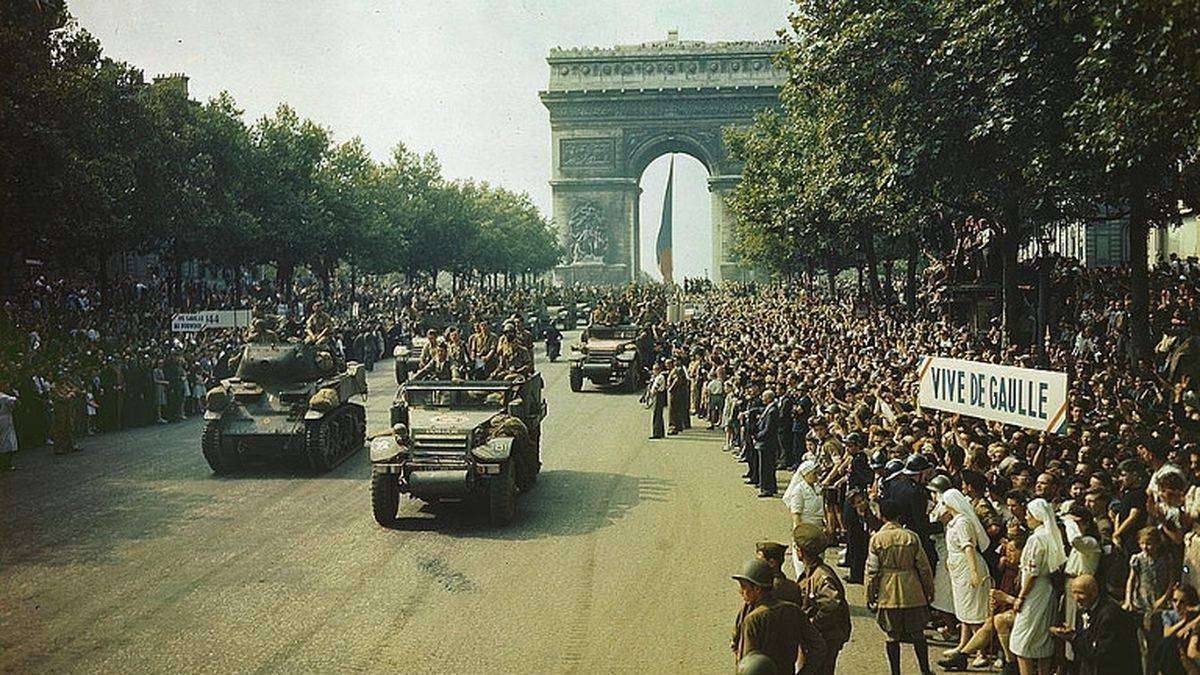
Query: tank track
330, 440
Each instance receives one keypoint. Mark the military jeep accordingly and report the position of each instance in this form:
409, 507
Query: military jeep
608, 355
459, 440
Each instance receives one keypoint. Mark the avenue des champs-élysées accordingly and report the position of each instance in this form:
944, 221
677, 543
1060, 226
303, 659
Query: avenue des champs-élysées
535, 336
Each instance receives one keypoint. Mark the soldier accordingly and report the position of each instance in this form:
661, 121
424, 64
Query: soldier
823, 598
319, 327
514, 360
481, 349
773, 554
774, 627
440, 367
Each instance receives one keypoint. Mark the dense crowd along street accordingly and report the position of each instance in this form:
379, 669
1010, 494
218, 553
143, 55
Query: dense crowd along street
819, 337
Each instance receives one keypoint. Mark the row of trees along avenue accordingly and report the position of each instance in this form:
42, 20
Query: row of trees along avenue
94, 162
900, 116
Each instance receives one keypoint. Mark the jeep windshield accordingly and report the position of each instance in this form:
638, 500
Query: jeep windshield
478, 398
612, 332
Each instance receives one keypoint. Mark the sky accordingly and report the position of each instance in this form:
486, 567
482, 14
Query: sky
457, 77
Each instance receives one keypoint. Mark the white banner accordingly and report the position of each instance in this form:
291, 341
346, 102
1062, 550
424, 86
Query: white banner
1035, 399
218, 318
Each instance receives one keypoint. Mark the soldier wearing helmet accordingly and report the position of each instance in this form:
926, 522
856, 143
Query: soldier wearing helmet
775, 628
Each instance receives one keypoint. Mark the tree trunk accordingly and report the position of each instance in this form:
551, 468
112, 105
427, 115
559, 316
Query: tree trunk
1010, 294
283, 278
831, 276
1139, 281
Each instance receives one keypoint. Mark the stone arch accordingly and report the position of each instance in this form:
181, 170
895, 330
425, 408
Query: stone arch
613, 111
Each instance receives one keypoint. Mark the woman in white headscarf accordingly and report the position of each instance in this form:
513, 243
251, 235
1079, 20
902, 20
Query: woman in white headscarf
1044, 554
969, 579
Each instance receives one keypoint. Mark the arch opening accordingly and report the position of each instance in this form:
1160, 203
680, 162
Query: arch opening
692, 241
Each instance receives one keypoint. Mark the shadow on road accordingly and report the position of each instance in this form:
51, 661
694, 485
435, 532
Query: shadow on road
565, 503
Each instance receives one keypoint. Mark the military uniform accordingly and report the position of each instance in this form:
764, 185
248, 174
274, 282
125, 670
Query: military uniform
318, 327
780, 630
514, 359
823, 599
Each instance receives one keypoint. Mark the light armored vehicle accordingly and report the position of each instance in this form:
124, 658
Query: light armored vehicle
289, 400
459, 440
608, 355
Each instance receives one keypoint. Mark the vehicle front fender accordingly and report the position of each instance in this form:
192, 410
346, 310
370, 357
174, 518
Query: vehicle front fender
495, 450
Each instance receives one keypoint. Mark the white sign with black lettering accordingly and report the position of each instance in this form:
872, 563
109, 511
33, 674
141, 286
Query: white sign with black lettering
1035, 399
218, 318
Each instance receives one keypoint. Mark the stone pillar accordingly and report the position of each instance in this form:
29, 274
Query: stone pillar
724, 266
607, 206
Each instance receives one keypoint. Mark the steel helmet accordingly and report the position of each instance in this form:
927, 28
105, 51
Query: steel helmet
939, 483
757, 572
916, 464
879, 459
893, 467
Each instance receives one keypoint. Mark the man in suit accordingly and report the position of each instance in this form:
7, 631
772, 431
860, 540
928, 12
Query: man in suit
1102, 634
749, 421
766, 443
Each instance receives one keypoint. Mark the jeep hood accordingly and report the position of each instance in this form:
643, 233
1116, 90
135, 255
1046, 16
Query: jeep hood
422, 420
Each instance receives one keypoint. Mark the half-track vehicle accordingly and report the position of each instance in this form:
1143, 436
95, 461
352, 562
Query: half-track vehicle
462, 439
608, 355
288, 400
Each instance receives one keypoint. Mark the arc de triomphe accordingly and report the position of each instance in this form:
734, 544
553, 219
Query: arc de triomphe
615, 110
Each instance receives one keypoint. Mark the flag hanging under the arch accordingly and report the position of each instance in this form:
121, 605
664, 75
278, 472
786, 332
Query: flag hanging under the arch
663, 245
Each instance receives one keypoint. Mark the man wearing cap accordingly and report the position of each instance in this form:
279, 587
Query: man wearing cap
773, 553
823, 598
773, 627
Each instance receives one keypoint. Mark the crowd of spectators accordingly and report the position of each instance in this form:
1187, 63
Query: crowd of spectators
74, 361
1020, 528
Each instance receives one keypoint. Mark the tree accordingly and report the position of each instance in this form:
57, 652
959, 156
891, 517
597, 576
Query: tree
286, 160
1135, 120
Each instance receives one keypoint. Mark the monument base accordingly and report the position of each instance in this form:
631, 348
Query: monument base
591, 274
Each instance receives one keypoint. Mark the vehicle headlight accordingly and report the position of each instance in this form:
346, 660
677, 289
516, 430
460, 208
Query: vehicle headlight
385, 448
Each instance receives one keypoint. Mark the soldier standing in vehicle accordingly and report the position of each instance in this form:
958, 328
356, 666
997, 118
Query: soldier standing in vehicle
319, 327
481, 350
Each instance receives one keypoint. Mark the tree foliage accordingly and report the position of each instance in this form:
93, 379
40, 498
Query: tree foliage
95, 161
900, 113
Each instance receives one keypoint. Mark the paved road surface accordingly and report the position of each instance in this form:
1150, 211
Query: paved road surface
132, 557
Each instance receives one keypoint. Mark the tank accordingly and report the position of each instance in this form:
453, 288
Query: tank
287, 401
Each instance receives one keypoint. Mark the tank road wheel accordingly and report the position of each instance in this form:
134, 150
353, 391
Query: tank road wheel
319, 446
385, 498
576, 380
210, 444
502, 496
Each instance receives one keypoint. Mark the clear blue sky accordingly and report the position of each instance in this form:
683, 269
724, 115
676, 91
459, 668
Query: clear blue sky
456, 77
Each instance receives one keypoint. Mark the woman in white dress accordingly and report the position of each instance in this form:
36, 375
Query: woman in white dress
969, 579
1035, 604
